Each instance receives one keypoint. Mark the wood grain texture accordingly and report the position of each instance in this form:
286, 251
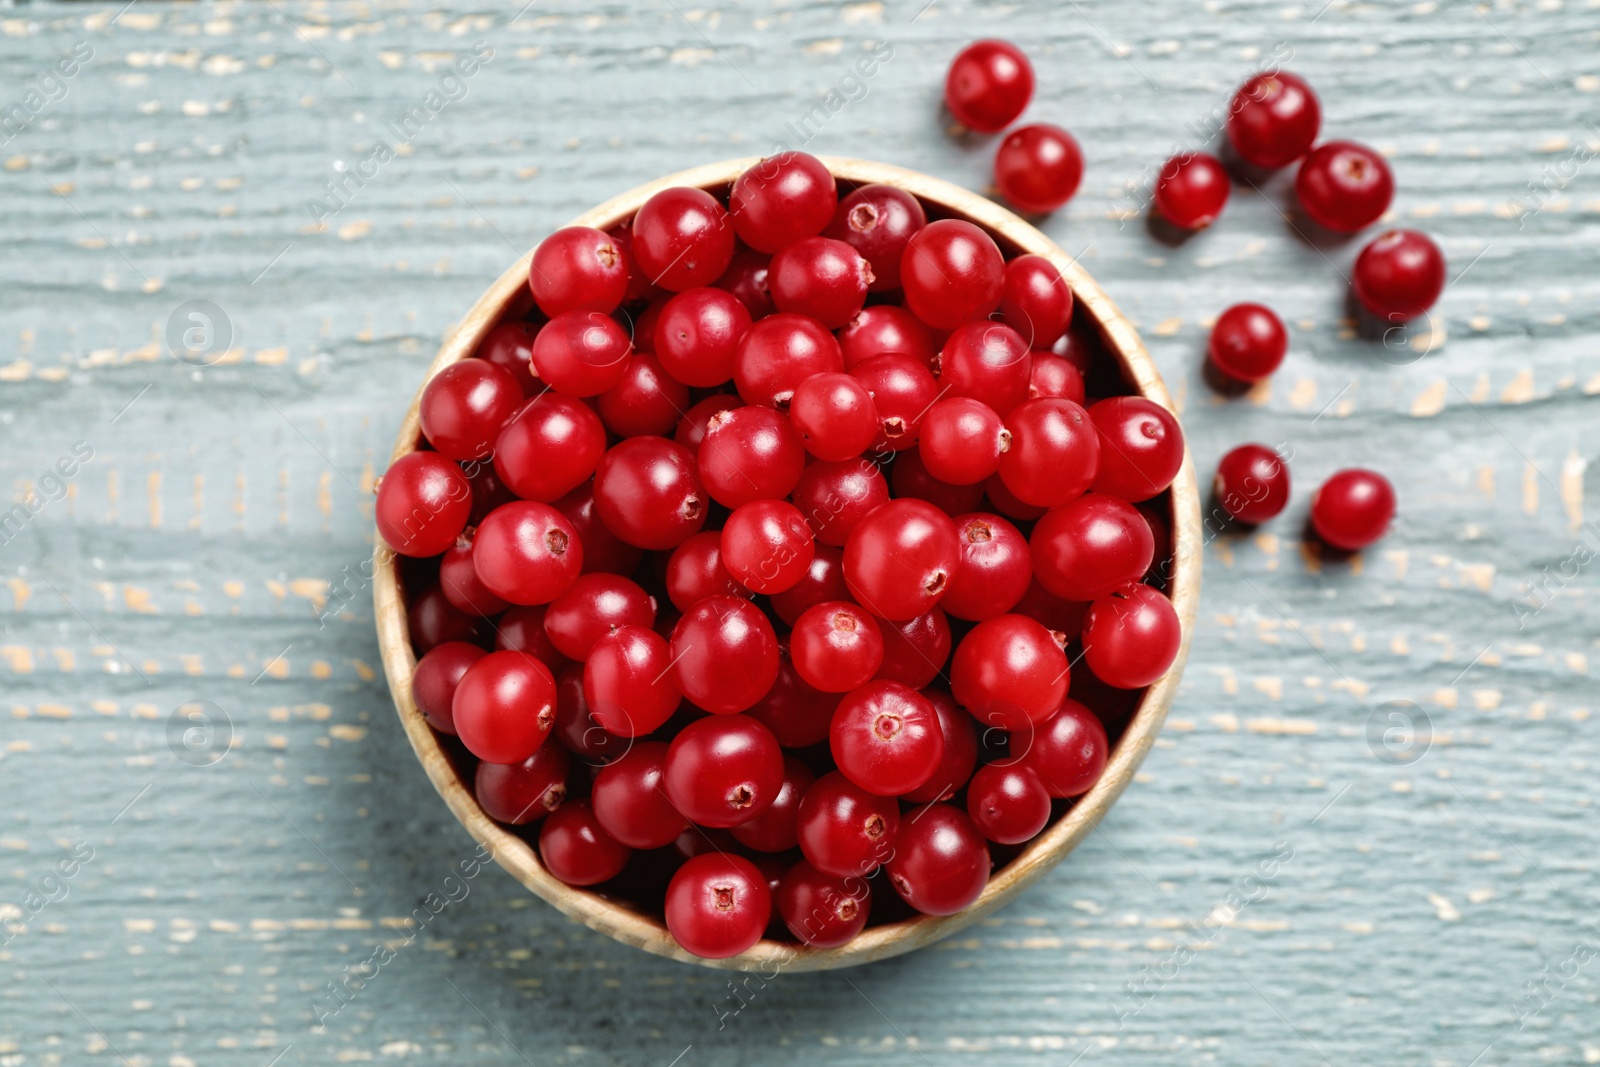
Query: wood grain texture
226, 511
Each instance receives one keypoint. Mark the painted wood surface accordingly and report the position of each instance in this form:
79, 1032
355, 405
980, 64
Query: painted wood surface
1291, 879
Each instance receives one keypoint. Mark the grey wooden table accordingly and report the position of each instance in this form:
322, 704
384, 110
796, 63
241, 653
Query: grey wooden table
182, 891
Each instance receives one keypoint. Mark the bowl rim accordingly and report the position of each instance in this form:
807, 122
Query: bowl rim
520, 858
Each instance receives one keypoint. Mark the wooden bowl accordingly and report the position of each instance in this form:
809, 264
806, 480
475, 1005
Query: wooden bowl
508, 298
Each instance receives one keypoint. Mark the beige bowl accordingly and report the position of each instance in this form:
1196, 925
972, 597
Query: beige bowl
508, 298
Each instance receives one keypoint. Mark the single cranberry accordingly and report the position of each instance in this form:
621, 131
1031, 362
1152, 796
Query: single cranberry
504, 707
1273, 119
778, 353
836, 646
798, 715
423, 504
463, 406
986, 361
1252, 483
823, 581
1061, 616
988, 85
835, 497
629, 802
697, 335
1067, 752
1131, 636
878, 221
593, 606
960, 735
1009, 672
1141, 447
1004, 501
646, 402
510, 346
578, 268
962, 441
822, 910
941, 862
910, 478
835, 416
822, 278
527, 552
1344, 186
639, 285
682, 239
434, 681
1089, 546
952, 272
1036, 302
902, 390
723, 770
1353, 508
718, 905
521, 629
885, 738
577, 850
774, 829
750, 453
899, 559
582, 353
725, 653
647, 491
1051, 375
844, 830
602, 549
887, 330
995, 568
1248, 342
520, 793
915, 651
488, 491
577, 729
1191, 190
459, 581
1038, 167
766, 545
1055, 452
782, 200
1399, 275
1008, 803
549, 447
695, 572
746, 278
692, 430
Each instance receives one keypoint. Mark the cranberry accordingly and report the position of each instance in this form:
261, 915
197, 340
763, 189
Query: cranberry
1141, 447
577, 850
1274, 119
593, 606
1344, 186
463, 406
1036, 301
899, 559
940, 863
510, 346
639, 286
723, 770
962, 441
681, 239
960, 735
1399, 275
750, 453
915, 651
527, 553
782, 200
774, 829
726, 654
746, 278
459, 581
1068, 751
1038, 167
952, 272
549, 447
647, 401
423, 504
1353, 508
989, 84
718, 905
602, 549
778, 353
835, 416
1004, 501
878, 221
902, 391
823, 581
822, 910
1055, 452
521, 629
582, 353
910, 478
1248, 342
578, 268
692, 430
887, 330
576, 728
836, 646
647, 491
1009, 672
1131, 636
994, 571
986, 361
504, 707
844, 830
798, 715
767, 546
835, 497
1008, 803
520, 793
434, 681
885, 738
698, 334
695, 572
1252, 483
1051, 375
628, 800
822, 278
1192, 190
1089, 546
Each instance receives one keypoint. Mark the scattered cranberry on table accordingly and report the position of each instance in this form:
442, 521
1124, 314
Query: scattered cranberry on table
1399, 275
989, 84
1038, 167
1191, 190
1353, 509
1248, 342
1273, 119
1344, 186
1252, 483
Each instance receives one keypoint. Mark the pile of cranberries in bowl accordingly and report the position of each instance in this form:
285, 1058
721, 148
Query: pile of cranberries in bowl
751, 572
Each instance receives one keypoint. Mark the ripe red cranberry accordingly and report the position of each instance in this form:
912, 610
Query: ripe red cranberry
504, 707
593, 606
988, 85
1055, 452
647, 491
767, 546
1274, 119
1009, 672
781, 200
836, 646
1038, 167
986, 361
750, 453
778, 353
581, 353
1353, 508
915, 651
463, 406
887, 330
1252, 483
698, 334
844, 830
434, 681
822, 910
459, 581
910, 478
639, 286
774, 829
995, 568
549, 447
798, 715
1248, 342
520, 793
510, 346
952, 272
885, 738
1036, 301
628, 800
1344, 186
527, 552
962, 441
602, 549
1089, 546
878, 221
1399, 275
682, 239
823, 581
1141, 447
834, 415
577, 850
692, 429
746, 278
725, 654
899, 559
902, 391
646, 402
723, 770
1052, 375
941, 862
718, 905
1191, 190
822, 278
1008, 803
423, 504
835, 497
1067, 752
960, 735
1131, 636
578, 268
521, 629
577, 729
695, 572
